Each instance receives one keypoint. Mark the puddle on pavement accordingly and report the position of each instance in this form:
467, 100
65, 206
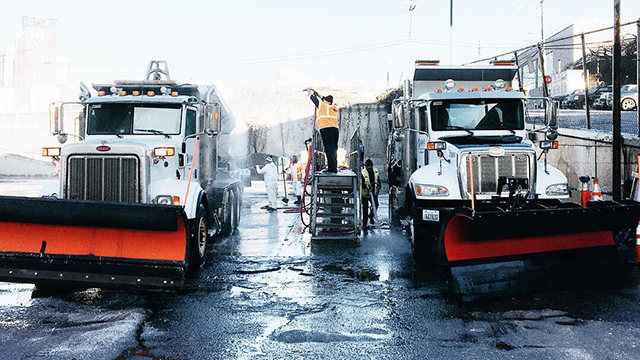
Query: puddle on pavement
310, 336
359, 274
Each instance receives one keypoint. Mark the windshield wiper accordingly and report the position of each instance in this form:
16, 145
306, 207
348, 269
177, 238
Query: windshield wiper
153, 131
454, 127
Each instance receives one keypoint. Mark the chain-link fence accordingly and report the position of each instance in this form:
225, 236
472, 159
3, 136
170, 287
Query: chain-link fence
575, 61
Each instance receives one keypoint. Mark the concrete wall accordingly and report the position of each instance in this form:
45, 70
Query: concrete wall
16, 165
583, 152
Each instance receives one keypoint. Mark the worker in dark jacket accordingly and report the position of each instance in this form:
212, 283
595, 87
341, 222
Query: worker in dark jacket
327, 122
370, 189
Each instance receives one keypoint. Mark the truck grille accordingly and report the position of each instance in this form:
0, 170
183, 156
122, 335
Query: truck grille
103, 178
487, 169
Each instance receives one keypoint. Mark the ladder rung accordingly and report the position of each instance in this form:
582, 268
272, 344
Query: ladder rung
330, 225
343, 205
339, 215
335, 237
341, 196
336, 187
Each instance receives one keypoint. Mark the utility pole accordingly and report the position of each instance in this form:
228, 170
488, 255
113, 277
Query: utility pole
545, 89
638, 74
617, 136
412, 6
585, 74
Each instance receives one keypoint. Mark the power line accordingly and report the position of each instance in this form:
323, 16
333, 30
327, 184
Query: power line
549, 42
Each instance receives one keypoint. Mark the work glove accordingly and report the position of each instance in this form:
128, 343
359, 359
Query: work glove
309, 91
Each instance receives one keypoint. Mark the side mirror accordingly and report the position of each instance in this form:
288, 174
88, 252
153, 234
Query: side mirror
551, 114
55, 119
212, 123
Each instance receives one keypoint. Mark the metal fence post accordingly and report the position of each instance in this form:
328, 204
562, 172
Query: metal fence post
586, 82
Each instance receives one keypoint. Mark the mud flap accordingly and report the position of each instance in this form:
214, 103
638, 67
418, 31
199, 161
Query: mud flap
492, 253
90, 243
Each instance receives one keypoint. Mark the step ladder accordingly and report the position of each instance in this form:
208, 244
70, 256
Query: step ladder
335, 212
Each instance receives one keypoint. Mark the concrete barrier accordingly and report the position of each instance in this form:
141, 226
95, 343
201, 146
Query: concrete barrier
587, 152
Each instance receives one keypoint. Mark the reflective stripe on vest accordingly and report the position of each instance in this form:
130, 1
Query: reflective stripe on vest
300, 170
327, 115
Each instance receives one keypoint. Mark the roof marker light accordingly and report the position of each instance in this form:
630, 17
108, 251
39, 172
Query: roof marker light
438, 90
174, 93
151, 93
460, 89
101, 93
123, 93
475, 89
449, 84
135, 93
488, 88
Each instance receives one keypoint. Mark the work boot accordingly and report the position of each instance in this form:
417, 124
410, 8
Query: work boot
297, 202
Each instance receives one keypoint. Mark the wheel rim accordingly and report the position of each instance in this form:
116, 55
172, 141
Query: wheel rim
627, 104
202, 237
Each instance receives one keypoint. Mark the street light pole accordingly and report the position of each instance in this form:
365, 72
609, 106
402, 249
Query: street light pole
451, 32
412, 6
617, 136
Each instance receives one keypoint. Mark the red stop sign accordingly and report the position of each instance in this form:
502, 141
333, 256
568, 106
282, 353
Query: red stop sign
547, 79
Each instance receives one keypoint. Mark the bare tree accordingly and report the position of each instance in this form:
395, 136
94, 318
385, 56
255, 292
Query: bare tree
256, 137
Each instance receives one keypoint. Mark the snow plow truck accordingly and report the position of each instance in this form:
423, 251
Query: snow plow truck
469, 178
146, 183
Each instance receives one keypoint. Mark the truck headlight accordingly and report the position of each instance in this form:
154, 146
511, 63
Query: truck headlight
164, 200
431, 190
557, 189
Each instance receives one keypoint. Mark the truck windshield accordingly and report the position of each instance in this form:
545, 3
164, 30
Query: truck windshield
477, 114
128, 119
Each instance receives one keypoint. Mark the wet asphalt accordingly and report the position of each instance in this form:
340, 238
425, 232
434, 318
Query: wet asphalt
268, 292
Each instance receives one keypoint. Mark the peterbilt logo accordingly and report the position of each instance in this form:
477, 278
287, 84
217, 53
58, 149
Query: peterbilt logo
103, 148
496, 152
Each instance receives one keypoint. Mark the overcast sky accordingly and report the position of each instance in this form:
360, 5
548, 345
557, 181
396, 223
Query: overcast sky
329, 42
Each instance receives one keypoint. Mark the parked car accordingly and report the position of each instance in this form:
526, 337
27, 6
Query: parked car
577, 101
629, 97
568, 101
603, 102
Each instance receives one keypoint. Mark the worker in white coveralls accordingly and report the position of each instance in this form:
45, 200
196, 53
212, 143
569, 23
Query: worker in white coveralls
296, 169
270, 172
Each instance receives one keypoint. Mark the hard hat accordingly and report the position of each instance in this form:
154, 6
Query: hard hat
269, 158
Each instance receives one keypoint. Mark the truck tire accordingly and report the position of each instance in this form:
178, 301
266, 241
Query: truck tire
199, 238
421, 240
229, 213
238, 206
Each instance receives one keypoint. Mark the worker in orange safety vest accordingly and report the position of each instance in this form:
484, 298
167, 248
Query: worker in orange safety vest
327, 122
296, 170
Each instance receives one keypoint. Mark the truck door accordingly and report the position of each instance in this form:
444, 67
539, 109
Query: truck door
190, 128
422, 137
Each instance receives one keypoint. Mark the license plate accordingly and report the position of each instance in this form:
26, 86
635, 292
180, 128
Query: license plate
431, 215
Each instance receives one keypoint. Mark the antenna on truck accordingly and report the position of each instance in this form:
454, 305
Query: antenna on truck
156, 69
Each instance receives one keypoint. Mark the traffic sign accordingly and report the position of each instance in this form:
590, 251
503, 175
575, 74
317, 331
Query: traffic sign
547, 79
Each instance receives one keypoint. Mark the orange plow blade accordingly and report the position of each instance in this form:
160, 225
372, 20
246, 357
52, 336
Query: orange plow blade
84, 243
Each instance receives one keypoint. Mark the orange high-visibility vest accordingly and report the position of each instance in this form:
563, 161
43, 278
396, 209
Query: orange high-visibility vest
300, 170
327, 115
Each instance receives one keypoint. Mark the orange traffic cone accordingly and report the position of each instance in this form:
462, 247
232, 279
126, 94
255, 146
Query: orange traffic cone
597, 193
585, 193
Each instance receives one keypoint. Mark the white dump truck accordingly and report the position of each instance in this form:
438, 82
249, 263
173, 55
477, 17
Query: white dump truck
142, 188
468, 175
